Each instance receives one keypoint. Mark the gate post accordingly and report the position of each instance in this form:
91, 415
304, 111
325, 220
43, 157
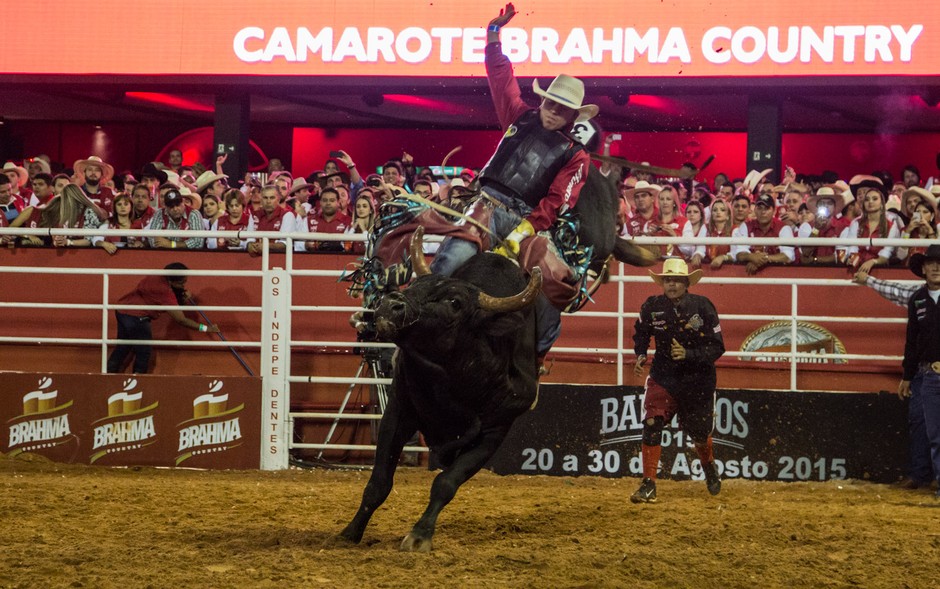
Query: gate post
275, 335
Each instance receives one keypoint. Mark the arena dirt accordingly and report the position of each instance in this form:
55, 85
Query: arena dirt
76, 526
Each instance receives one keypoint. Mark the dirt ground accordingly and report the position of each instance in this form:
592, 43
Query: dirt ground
78, 526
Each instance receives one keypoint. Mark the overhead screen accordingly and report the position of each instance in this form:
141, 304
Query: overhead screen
445, 38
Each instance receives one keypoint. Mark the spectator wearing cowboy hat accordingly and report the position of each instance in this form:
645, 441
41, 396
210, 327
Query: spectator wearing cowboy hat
92, 175
152, 177
19, 180
210, 181
300, 190
824, 206
923, 219
765, 224
921, 365
37, 165
174, 215
10, 206
643, 218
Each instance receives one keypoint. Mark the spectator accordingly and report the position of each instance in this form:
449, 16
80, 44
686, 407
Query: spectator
695, 226
275, 165
740, 210
271, 217
152, 177
19, 181
211, 183
236, 218
59, 182
329, 219
766, 224
669, 222
910, 198
300, 190
174, 160
923, 220
10, 206
134, 324
393, 174
282, 182
424, 190
120, 219
35, 166
644, 211
174, 216
911, 176
720, 180
363, 221
212, 210
71, 210
142, 212
823, 206
872, 224
354, 180
719, 225
726, 191
93, 175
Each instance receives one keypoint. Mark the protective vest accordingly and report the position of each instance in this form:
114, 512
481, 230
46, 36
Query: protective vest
527, 159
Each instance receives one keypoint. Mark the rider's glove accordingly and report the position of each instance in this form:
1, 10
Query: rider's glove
510, 247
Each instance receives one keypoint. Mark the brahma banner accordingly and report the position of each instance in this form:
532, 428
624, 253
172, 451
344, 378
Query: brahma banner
446, 38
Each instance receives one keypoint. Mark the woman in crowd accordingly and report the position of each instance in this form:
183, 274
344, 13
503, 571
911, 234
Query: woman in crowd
362, 222
72, 209
694, 227
719, 225
235, 219
669, 223
120, 219
873, 223
212, 210
922, 226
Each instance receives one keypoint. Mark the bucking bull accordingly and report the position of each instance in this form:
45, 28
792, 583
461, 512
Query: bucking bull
466, 364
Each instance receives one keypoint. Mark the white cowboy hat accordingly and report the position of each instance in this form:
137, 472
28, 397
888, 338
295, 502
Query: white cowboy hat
676, 267
643, 186
172, 178
923, 193
826, 192
297, 185
20, 172
754, 178
568, 91
206, 179
107, 170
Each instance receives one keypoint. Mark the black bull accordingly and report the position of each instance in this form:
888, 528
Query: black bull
466, 365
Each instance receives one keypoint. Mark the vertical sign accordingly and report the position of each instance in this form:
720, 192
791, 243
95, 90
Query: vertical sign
275, 400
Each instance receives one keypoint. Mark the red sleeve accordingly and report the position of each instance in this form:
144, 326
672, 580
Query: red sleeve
504, 89
156, 291
563, 193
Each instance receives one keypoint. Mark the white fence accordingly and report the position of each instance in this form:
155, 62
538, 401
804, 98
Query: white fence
275, 367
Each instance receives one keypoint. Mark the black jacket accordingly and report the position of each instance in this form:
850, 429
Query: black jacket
923, 332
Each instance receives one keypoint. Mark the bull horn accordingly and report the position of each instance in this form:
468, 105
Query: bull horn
418, 263
515, 302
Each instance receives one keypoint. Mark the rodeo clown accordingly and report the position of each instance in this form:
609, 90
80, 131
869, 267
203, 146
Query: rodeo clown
682, 380
535, 175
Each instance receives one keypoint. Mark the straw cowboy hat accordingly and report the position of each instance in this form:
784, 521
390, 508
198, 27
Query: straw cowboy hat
568, 91
206, 179
20, 172
925, 195
298, 185
676, 267
826, 192
642, 186
107, 170
917, 260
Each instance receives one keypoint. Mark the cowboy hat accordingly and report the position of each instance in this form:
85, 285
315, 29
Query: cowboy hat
20, 171
207, 178
864, 181
677, 267
642, 186
154, 172
826, 192
924, 194
298, 185
754, 178
193, 198
568, 91
43, 164
107, 170
917, 260
935, 190
324, 181
172, 178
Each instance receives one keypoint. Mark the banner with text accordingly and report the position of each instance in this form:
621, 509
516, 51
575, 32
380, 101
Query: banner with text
758, 435
133, 420
606, 38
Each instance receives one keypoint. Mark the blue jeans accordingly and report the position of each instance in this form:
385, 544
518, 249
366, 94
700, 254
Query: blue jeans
921, 470
453, 253
131, 327
930, 400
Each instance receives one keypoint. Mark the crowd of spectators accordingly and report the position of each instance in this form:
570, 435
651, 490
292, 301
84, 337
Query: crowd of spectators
338, 200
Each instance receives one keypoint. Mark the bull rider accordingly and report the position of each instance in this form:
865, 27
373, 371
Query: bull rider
682, 379
535, 174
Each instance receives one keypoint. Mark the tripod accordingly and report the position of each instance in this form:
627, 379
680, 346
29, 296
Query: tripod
378, 363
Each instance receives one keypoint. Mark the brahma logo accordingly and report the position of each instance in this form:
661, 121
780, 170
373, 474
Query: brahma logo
43, 424
213, 428
128, 426
810, 339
